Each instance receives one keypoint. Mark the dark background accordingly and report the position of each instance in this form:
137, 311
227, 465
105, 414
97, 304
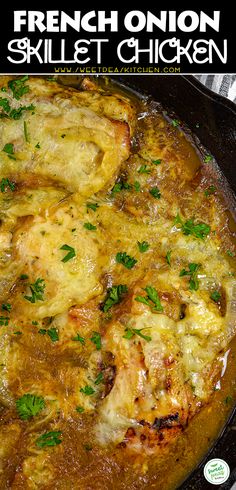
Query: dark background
110, 58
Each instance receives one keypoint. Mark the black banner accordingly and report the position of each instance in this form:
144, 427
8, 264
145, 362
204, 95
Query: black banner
135, 41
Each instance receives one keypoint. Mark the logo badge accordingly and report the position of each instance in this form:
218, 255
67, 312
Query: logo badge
216, 471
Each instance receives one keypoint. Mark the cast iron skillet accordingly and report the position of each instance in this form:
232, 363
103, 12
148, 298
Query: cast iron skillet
213, 119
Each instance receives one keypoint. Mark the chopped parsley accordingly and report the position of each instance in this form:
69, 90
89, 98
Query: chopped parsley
143, 246
137, 186
96, 339
228, 400
4, 103
168, 256
78, 338
130, 332
92, 205
63, 136
51, 438
156, 162
37, 291
152, 299
17, 333
18, 87
71, 253
9, 150
34, 322
114, 296
42, 331
4, 321
79, 409
6, 307
120, 186
23, 277
6, 183
89, 226
210, 190
38, 146
144, 169
26, 133
87, 390
17, 113
189, 227
88, 447
155, 192
192, 272
53, 334
29, 405
126, 260
230, 253
208, 158
215, 296
99, 379
175, 123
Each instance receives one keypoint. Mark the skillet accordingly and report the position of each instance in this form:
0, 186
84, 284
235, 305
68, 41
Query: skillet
212, 119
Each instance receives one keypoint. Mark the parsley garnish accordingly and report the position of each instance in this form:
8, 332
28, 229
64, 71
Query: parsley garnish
175, 123
96, 339
51, 438
29, 405
4, 103
192, 272
89, 226
130, 332
88, 447
92, 205
126, 260
78, 338
42, 331
114, 296
144, 169
208, 158
137, 186
152, 299
87, 390
6, 183
17, 113
154, 191
70, 255
18, 87
53, 334
230, 253
210, 190
167, 257
17, 333
34, 322
26, 132
63, 136
156, 162
120, 186
228, 400
99, 379
9, 150
79, 409
4, 320
6, 307
199, 230
216, 296
23, 277
37, 146
37, 291
143, 246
